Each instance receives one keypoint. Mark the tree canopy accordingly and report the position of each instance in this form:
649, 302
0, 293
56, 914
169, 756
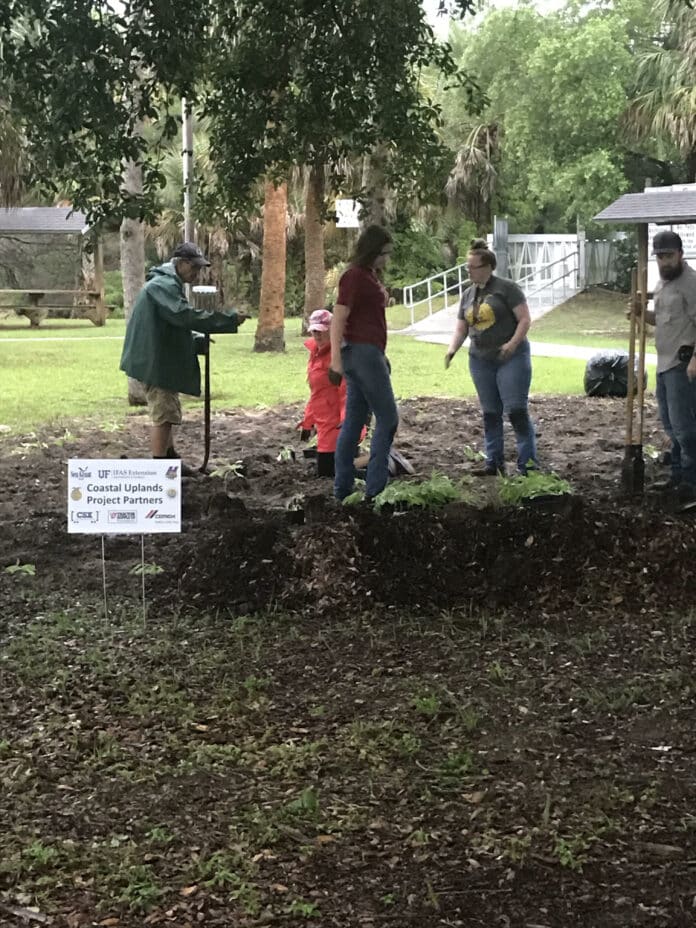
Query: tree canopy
78, 76
323, 82
281, 84
552, 143
544, 117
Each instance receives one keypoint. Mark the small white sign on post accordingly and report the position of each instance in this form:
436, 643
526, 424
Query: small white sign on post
347, 214
132, 496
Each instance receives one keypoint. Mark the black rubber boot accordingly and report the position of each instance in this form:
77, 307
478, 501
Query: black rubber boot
325, 464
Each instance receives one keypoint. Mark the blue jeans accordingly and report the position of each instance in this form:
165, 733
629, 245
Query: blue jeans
369, 389
503, 387
676, 401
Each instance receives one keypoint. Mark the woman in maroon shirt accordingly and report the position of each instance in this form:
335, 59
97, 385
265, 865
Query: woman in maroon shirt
358, 341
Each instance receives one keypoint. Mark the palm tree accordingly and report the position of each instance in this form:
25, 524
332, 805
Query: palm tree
315, 273
471, 184
270, 329
132, 248
12, 158
663, 109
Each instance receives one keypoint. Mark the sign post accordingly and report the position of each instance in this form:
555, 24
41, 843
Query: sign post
139, 496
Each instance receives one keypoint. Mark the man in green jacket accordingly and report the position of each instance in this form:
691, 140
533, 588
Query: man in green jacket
159, 348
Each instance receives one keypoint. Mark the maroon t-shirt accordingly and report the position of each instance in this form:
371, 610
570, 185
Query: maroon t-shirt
361, 291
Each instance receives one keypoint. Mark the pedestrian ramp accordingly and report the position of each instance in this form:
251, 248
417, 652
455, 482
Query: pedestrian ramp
438, 326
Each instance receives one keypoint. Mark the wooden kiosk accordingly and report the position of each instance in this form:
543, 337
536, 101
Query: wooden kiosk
663, 207
86, 299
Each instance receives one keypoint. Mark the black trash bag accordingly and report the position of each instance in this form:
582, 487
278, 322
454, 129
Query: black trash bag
606, 374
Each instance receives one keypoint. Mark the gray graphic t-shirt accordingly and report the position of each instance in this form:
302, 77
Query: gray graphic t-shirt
489, 312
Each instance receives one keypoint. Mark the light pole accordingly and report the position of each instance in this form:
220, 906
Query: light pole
187, 160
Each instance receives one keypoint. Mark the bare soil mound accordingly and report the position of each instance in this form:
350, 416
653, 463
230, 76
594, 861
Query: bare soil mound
268, 533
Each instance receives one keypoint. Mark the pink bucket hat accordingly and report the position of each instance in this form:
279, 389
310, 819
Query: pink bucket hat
319, 321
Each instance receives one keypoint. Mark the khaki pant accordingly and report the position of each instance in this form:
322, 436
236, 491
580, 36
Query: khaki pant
164, 406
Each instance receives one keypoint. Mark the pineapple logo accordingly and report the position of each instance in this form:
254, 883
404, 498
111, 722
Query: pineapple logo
76, 494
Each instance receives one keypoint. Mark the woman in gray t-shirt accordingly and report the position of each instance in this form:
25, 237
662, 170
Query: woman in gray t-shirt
493, 312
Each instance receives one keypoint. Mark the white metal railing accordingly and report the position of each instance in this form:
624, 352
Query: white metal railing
445, 289
446, 286
540, 281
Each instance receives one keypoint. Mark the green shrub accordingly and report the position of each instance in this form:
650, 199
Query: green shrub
113, 292
416, 254
625, 259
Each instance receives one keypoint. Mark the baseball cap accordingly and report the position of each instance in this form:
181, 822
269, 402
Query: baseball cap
666, 240
190, 252
319, 321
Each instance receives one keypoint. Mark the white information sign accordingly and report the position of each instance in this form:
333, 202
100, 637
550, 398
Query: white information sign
687, 231
347, 214
134, 497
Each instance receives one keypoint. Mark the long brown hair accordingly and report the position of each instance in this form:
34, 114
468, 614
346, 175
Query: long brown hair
369, 246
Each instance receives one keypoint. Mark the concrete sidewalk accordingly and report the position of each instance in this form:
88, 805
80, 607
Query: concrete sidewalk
540, 349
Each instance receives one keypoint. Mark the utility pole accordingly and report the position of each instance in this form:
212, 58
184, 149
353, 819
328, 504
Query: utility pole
187, 158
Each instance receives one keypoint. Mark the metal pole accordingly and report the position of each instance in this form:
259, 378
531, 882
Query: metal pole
187, 159
142, 571
642, 332
103, 557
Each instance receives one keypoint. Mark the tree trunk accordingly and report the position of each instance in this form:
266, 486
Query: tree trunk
132, 241
375, 187
691, 166
315, 274
270, 331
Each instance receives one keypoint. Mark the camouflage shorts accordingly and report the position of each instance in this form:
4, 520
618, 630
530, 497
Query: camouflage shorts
164, 406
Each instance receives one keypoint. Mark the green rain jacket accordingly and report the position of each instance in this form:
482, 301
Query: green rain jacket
159, 349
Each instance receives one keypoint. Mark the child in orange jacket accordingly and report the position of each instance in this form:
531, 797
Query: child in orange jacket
326, 407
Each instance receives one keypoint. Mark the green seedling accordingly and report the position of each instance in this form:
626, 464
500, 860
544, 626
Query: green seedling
230, 471
354, 498
307, 803
303, 909
39, 856
455, 766
425, 494
255, 685
147, 570
572, 852
517, 847
498, 673
428, 705
159, 835
141, 892
513, 490
27, 570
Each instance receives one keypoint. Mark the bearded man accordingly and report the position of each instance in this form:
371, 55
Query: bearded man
674, 318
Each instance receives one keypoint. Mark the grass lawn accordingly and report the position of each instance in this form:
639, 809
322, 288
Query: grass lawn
595, 319
69, 368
